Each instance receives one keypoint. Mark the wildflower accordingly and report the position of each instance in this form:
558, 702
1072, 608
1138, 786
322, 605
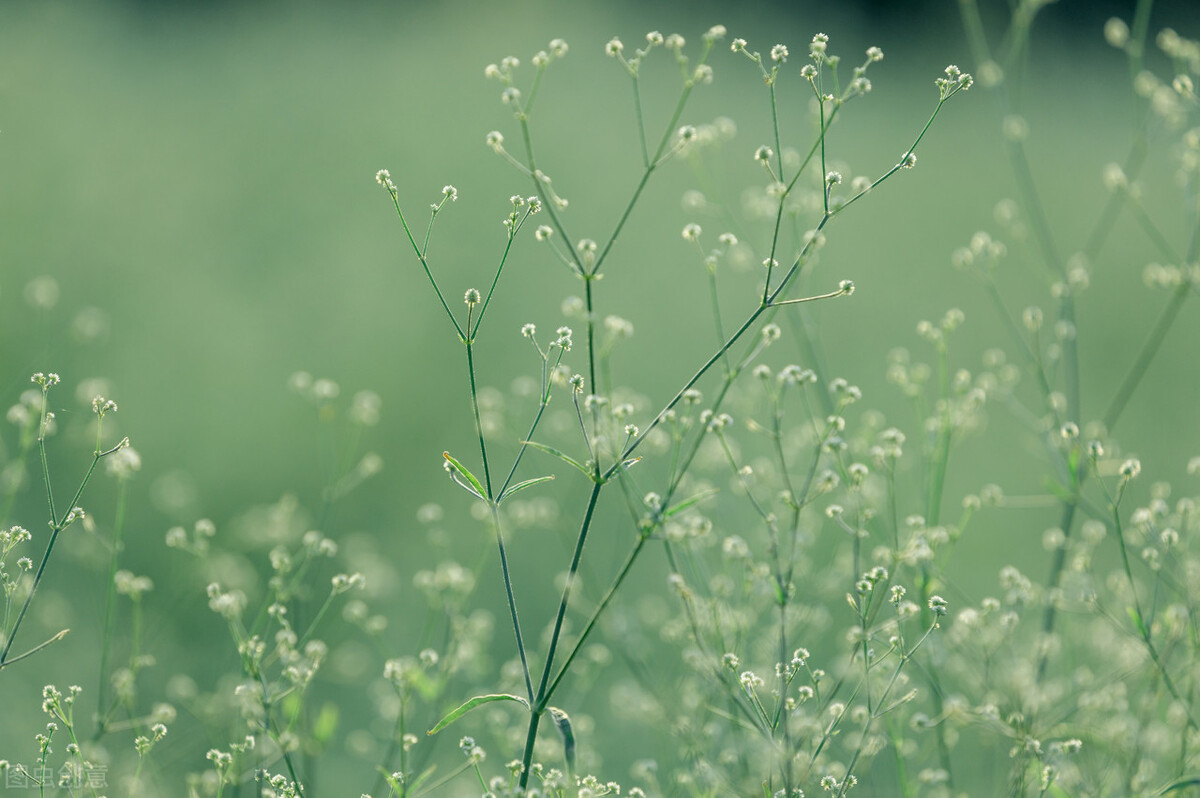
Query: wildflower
101, 406
614, 47
1116, 32
1130, 468
750, 680
779, 53
343, 582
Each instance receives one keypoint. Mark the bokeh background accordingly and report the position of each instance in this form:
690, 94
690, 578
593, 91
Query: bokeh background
188, 213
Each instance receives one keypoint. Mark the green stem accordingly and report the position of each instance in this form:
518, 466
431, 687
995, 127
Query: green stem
596, 613
512, 602
1149, 349
487, 474
641, 124
539, 706
110, 601
941, 454
473, 332
57, 526
425, 265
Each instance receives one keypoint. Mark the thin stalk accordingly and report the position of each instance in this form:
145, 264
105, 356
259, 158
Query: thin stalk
1149, 349
716, 309
539, 706
512, 602
779, 155
941, 454
591, 330
57, 527
425, 265
473, 332
1057, 568
487, 474
772, 300
637, 106
110, 601
604, 602
35, 649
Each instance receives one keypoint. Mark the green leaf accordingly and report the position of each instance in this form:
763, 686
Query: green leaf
686, 503
1192, 781
471, 704
571, 461
529, 483
1060, 491
562, 721
420, 780
460, 470
1137, 621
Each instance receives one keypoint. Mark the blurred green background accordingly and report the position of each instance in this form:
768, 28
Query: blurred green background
198, 182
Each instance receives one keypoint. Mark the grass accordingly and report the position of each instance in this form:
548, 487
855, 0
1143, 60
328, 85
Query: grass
713, 563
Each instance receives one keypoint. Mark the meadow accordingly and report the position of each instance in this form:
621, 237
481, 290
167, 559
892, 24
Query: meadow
595, 402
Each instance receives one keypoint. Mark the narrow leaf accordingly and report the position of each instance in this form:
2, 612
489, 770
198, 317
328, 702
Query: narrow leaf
420, 780
471, 704
1137, 620
1179, 785
1059, 490
465, 474
561, 456
562, 721
529, 483
686, 503
457, 480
